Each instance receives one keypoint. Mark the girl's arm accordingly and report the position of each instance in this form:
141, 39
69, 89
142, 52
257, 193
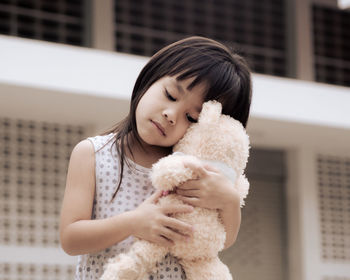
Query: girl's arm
81, 235
214, 191
78, 233
230, 213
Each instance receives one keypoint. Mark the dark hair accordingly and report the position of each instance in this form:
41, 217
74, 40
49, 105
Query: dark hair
225, 73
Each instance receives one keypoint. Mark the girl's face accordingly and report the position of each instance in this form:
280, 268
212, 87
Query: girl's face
167, 109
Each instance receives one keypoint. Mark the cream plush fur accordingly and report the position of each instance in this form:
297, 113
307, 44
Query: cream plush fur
216, 138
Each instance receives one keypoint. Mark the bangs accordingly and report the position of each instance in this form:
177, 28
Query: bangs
220, 77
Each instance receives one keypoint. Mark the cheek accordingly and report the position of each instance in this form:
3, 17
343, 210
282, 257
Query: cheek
142, 108
182, 130
140, 119
137, 115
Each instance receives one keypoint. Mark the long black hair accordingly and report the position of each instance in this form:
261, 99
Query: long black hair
225, 73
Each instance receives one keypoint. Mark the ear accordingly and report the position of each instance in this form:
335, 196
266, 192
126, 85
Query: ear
211, 112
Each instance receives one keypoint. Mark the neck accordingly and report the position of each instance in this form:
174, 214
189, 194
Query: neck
144, 154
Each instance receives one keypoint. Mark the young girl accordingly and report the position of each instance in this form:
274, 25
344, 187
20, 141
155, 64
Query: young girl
109, 198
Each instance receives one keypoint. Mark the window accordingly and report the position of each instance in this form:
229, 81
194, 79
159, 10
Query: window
256, 29
60, 21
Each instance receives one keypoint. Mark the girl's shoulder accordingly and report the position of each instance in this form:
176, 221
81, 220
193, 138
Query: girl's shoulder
101, 141
83, 151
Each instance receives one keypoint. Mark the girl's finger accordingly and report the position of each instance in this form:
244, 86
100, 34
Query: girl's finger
155, 196
172, 235
180, 208
194, 201
179, 226
197, 169
189, 185
163, 241
188, 193
211, 168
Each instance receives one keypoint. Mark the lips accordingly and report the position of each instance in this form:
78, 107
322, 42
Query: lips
159, 127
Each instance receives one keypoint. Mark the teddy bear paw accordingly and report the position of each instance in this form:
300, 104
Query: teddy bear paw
124, 269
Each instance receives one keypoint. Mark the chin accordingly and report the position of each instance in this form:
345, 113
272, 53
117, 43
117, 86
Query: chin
150, 141
157, 141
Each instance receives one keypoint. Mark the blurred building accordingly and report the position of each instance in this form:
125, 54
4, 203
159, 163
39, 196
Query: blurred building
67, 70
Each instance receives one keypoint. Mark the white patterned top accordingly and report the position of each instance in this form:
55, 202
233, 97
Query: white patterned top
135, 188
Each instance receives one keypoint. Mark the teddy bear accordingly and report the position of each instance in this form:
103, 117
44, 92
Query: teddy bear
216, 139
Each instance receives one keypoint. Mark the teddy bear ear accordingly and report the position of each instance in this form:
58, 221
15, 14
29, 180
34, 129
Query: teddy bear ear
211, 112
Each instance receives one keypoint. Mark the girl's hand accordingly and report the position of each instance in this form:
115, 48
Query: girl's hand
211, 190
153, 224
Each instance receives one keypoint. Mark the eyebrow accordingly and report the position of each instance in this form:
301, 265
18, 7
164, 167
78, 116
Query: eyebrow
181, 90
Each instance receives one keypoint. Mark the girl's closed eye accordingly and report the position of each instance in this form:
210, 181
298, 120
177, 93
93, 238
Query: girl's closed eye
190, 119
169, 96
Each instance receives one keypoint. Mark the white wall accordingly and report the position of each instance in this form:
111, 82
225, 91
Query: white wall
40, 74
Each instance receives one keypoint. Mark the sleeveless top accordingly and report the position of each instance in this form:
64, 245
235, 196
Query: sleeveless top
135, 188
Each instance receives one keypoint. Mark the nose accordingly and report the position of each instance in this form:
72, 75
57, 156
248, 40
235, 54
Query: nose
170, 117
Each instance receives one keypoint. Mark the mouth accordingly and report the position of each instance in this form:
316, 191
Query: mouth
159, 127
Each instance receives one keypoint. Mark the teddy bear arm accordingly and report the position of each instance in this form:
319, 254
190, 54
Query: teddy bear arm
170, 172
242, 187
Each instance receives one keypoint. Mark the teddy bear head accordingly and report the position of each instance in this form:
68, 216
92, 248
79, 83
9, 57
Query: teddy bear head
216, 137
